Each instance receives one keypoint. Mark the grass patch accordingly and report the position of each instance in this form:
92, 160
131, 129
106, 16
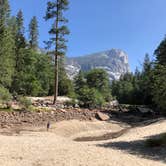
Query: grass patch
156, 142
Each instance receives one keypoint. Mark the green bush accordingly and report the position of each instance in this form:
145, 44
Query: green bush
5, 96
66, 87
71, 102
90, 98
25, 102
92, 88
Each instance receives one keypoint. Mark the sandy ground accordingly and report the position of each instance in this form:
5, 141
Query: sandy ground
58, 148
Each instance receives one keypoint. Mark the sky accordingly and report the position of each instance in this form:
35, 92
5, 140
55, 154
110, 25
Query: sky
135, 26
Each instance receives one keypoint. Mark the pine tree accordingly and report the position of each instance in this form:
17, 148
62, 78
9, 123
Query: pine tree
19, 39
159, 75
20, 46
6, 58
33, 33
147, 64
4, 13
13, 26
55, 11
7, 46
160, 52
20, 22
159, 87
146, 81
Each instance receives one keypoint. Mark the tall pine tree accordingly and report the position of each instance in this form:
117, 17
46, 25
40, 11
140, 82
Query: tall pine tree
33, 33
20, 39
20, 46
160, 52
159, 75
6, 46
55, 12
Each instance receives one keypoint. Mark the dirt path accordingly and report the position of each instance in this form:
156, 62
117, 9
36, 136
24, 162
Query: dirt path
58, 148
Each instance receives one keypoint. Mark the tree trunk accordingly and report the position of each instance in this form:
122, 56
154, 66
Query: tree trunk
56, 80
56, 57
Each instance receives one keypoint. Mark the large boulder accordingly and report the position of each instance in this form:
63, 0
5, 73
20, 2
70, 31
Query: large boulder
102, 116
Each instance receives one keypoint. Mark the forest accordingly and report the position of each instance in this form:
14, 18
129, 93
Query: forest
27, 70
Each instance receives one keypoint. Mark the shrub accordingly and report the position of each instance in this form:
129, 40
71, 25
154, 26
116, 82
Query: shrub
71, 102
90, 98
5, 96
25, 102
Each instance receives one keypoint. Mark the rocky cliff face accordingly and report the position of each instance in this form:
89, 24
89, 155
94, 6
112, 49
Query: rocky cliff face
114, 61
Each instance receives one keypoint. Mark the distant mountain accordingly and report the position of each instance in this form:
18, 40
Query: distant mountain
114, 61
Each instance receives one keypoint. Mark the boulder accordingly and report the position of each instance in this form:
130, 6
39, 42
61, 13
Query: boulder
144, 110
114, 103
102, 116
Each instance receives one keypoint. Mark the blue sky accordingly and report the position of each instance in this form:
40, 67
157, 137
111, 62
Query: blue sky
135, 26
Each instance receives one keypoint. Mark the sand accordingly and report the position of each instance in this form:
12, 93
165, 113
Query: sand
58, 148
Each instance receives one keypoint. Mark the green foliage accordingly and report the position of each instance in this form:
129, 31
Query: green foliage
79, 81
58, 31
159, 87
25, 71
4, 94
20, 23
72, 103
123, 90
24, 102
158, 76
92, 88
7, 46
98, 79
66, 87
135, 89
33, 33
160, 52
4, 13
34, 75
6, 56
90, 98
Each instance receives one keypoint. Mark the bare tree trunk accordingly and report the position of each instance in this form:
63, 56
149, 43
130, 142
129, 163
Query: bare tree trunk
56, 57
56, 80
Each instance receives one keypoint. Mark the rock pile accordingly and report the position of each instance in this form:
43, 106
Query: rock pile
37, 118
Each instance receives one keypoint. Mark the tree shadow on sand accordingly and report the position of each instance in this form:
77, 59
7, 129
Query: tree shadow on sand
139, 148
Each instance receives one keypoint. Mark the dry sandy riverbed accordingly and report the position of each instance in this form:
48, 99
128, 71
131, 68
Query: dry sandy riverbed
58, 148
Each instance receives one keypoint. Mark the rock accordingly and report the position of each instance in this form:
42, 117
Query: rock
76, 106
123, 109
114, 103
62, 110
102, 116
70, 107
52, 112
144, 110
113, 61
